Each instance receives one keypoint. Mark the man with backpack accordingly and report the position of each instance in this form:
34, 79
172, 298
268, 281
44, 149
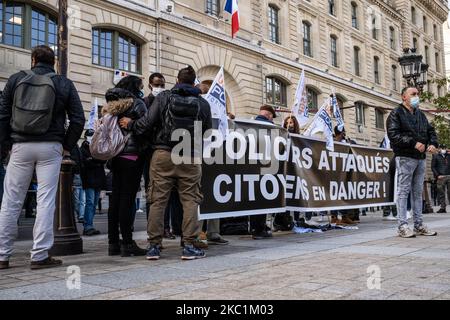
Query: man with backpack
175, 111
33, 111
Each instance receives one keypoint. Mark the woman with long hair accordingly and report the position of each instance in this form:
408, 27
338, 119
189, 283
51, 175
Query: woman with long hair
125, 100
291, 124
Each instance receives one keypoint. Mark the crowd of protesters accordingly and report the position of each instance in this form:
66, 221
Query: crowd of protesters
172, 191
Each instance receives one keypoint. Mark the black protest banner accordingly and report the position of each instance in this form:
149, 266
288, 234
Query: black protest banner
261, 169
238, 179
351, 176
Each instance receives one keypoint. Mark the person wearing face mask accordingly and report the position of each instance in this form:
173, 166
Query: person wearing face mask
411, 137
441, 170
156, 84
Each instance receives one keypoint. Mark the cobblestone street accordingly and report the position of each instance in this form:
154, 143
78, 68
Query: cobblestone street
329, 265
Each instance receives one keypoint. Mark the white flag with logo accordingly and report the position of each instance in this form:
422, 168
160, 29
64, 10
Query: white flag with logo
300, 108
386, 144
93, 116
337, 112
217, 101
322, 123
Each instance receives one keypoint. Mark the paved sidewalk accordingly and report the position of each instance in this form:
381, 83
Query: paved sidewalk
331, 265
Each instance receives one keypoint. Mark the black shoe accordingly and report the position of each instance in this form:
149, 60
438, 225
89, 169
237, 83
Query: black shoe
4, 265
81, 220
442, 211
169, 235
46, 263
218, 241
114, 249
262, 235
91, 232
132, 249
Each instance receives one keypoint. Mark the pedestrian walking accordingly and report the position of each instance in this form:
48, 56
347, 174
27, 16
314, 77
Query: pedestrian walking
440, 165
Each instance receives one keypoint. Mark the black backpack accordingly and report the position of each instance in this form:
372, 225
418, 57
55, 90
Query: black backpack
34, 100
181, 113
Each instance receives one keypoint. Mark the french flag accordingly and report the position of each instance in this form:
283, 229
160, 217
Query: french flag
231, 6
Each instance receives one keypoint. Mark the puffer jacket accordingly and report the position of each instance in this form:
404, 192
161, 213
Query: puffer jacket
405, 129
127, 105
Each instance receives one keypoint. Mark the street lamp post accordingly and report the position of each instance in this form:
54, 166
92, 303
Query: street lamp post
411, 64
415, 73
67, 239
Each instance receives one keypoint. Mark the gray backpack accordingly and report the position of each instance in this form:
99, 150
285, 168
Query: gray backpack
34, 100
108, 140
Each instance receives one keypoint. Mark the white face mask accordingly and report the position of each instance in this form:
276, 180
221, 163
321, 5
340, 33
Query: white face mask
156, 91
89, 139
443, 151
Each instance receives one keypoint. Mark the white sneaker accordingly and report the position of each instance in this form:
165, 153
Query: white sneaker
405, 232
139, 211
424, 231
390, 218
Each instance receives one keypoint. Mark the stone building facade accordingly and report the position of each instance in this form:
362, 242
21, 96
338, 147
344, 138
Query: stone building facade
350, 46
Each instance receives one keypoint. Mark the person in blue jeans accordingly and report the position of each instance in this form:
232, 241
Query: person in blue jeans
93, 179
2, 177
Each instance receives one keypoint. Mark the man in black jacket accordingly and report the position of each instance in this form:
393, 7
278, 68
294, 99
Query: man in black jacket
411, 137
441, 170
43, 152
176, 111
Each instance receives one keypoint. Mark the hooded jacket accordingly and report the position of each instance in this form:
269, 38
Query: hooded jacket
122, 103
155, 119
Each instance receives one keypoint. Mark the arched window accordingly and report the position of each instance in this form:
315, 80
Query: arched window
376, 70
340, 102
360, 113
415, 43
356, 61
113, 49
307, 48
374, 27
332, 7
355, 15
435, 32
274, 34
276, 92
425, 24
394, 77
334, 51
379, 118
313, 103
25, 26
392, 38
413, 15
438, 65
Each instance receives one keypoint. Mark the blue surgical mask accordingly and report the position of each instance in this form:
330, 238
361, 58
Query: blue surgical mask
141, 94
415, 102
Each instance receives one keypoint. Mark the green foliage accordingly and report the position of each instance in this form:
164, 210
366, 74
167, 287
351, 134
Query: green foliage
441, 104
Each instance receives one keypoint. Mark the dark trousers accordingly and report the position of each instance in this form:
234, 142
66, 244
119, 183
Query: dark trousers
126, 180
258, 223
